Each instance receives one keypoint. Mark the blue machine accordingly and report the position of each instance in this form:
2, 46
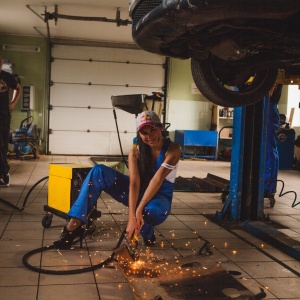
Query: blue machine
26, 139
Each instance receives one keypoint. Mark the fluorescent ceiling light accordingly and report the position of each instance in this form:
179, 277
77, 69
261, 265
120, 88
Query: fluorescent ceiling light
21, 48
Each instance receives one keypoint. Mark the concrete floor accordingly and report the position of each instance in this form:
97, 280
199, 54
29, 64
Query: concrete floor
256, 263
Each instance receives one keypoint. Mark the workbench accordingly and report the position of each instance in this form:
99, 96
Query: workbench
197, 139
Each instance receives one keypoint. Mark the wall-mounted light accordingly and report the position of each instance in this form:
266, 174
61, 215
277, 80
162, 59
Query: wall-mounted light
21, 48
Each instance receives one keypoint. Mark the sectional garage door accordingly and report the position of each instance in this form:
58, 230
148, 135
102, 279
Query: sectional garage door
83, 79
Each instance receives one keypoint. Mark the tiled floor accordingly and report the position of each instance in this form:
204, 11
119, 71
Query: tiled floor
259, 265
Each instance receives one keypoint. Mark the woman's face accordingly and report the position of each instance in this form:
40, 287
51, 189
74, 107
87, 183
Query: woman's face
150, 135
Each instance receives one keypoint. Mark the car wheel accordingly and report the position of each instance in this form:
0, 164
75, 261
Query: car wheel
213, 88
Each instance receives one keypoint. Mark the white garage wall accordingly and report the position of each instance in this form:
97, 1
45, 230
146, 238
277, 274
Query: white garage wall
188, 114
81, 118
197, 114
293, 103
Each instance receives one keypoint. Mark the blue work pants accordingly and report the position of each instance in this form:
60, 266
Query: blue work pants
103, 178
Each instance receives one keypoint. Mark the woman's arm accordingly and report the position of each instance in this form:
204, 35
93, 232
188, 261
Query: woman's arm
15, 98
134, 188
171, 158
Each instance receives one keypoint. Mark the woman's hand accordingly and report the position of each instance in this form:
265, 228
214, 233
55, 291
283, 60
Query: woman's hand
139, 220
131, 227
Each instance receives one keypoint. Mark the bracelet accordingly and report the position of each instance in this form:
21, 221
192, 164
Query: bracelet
167, 166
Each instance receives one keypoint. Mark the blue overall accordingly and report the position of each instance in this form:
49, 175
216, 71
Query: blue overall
272, 156
103, 178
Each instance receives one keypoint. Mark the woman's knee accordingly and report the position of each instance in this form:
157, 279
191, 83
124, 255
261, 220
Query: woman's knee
98, 171
98, 168
156, 214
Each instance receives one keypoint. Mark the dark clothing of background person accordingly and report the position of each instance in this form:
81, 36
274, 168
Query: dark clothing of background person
272, 156
7, 82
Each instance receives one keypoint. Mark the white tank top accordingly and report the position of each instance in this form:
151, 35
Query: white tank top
172, 175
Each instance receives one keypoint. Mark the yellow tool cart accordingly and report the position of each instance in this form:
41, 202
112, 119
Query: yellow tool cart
65, 181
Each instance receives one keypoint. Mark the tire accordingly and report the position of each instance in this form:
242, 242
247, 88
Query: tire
47, 220
212, 88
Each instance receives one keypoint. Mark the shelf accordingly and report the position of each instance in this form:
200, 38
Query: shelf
226, 118
223, 125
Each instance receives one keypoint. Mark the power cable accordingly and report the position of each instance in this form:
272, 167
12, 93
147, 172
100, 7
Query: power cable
26, 197
282, 194
67, 272
219, 137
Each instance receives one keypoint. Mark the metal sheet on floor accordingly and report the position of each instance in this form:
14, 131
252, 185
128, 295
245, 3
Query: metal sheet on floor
191, 277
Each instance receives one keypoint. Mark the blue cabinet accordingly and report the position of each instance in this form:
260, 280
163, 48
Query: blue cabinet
286, 149
197, 138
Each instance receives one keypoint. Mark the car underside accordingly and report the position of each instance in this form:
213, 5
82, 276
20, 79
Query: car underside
236, 47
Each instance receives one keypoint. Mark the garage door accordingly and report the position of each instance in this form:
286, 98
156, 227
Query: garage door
83, 79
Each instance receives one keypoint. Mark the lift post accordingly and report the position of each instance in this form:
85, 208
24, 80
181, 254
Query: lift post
246, 192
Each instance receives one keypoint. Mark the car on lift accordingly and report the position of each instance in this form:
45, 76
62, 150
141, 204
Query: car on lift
237, 47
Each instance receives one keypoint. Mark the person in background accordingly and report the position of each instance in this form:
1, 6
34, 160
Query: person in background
147, 191
272, 156
7, 82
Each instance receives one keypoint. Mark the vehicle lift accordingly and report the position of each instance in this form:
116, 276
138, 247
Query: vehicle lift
245, 202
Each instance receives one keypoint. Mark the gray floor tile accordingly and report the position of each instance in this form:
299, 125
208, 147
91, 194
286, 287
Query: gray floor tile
68, 291
116, 291
254, 262
19, 292
17, 277
245, 255
258, 270
19, 245
276, 287
73, 279
254, 286
110, 275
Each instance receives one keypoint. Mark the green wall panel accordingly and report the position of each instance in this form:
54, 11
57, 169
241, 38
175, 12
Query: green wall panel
180, 81
31, 67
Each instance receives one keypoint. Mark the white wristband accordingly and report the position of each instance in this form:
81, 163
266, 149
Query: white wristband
167, 166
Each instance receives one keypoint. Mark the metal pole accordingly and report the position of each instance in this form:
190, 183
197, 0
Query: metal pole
236, 169
166, 80
246, 190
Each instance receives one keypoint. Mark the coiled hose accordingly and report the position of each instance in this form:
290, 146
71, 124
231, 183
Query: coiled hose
67, 272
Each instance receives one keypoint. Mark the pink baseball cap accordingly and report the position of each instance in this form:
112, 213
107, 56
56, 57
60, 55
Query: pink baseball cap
147, 117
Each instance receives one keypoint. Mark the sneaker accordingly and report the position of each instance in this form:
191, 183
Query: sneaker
3, 184
6, 179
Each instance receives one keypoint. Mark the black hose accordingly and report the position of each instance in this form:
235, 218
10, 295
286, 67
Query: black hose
9, 204
31, 189
220, 139
67, 272
26, 197
282, 194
